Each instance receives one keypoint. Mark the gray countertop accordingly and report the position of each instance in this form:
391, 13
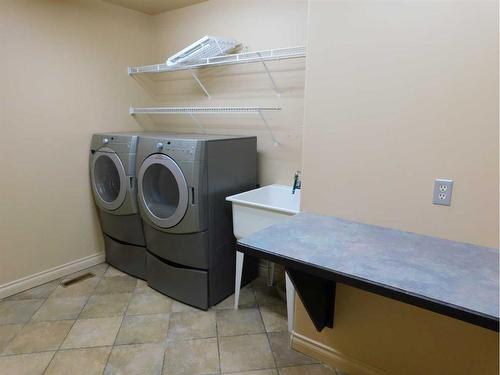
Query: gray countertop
453, 273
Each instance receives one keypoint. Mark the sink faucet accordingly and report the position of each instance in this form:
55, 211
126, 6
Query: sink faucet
296, 182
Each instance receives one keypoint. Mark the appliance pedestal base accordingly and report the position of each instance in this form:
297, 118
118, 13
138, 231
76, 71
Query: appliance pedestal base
125, 257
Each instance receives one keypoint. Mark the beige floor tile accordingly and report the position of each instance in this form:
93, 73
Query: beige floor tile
149, 303
112, 271
258, 372
98, 269
105, 305
116, 284
239, 322
192, 325
60, 309
12, 312
181, 307
39, 336
192, 357
146, 359
143, 287
247, 299
92, 332
140, 329
7, 333
265, 295
245, 353
90, 361
307, 369
284, 354
274, 317
25, 364
39, 292
82, 288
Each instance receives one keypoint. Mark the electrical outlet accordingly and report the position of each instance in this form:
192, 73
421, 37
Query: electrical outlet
442, 192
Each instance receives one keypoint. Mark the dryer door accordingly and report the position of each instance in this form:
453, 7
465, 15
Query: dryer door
108, 179
163, 191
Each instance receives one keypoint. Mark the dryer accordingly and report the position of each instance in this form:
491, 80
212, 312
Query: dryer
183, 180
114, 187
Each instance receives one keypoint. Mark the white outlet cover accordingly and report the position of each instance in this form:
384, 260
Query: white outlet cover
443, 189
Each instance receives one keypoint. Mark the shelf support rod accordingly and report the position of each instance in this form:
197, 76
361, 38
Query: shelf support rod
270, 77
200, 84
275, 142
198, 124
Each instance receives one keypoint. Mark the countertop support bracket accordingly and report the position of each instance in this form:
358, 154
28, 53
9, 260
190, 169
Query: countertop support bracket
317, 296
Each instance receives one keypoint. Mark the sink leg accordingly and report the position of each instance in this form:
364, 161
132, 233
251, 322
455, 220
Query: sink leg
237, 281
290, 301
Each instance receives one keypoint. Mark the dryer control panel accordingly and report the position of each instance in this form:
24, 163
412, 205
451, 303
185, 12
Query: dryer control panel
177, 149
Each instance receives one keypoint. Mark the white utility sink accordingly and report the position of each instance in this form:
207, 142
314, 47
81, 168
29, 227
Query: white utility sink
258, 209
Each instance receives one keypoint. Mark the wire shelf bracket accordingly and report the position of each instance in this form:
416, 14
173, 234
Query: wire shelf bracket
195, 77
198, 124
191, 111
271, 78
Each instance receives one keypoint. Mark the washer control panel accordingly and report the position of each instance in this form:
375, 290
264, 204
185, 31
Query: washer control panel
119, 143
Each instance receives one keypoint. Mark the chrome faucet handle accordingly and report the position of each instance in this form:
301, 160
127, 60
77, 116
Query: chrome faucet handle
296, 182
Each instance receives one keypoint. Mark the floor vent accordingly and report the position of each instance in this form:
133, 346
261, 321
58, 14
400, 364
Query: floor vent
77, 279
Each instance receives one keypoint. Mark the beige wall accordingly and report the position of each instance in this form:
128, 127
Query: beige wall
397, 94
259, 24
63, 78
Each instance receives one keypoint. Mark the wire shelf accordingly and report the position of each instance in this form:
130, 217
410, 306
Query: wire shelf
191, 111
236, 58
188, 110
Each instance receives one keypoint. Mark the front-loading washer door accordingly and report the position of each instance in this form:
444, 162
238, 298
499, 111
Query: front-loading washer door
108, 179
163, 191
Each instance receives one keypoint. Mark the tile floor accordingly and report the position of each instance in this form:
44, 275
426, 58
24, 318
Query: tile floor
115, 324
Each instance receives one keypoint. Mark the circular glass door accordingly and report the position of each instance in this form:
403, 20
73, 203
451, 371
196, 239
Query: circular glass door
108, 179
163, 191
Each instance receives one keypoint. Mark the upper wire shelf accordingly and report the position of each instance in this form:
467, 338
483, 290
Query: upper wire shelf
236, 58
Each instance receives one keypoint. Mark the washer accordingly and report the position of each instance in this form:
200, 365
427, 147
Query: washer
114, 186
183, 180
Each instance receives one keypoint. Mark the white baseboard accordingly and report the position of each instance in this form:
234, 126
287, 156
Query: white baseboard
46, 276
332, 357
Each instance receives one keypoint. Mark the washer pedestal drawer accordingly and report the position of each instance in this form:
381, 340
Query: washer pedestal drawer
124, 228
186, 285
127, 258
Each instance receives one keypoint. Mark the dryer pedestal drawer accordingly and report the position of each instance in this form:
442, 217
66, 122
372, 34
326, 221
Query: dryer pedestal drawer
124, 228
187, 285
127, 258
